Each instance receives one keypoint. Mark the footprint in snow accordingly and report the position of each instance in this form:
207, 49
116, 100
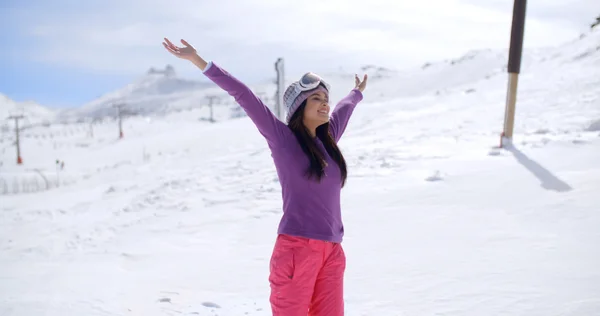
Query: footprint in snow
164, 300
210, 305
494, 152
435, 177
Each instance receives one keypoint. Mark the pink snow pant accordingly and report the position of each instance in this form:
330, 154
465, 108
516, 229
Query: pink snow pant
306, 277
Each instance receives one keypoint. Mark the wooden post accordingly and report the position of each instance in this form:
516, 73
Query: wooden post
514, 68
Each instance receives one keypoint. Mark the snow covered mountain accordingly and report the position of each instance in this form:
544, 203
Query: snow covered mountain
34, 113
158, 92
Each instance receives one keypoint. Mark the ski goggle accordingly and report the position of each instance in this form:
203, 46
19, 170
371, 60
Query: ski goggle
307, 82
310, 81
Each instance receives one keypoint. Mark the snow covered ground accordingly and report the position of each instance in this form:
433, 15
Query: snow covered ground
180, 216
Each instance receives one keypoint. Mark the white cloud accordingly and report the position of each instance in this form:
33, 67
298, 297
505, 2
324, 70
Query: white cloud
124, 37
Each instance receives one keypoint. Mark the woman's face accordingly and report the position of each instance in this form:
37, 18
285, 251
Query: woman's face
317, 108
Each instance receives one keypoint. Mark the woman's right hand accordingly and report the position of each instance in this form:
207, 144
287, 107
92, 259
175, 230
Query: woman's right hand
188, 52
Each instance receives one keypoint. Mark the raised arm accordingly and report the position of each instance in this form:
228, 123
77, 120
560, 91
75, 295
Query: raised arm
268, 125
343, 110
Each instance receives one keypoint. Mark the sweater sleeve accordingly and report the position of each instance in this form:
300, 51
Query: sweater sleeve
342, 113
267, 123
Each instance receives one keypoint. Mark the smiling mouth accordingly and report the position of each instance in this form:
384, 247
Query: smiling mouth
323, 112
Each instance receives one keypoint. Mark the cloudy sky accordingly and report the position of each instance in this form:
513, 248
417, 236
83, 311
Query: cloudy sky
68, 52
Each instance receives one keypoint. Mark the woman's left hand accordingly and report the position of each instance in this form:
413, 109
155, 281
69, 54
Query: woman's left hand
360, 85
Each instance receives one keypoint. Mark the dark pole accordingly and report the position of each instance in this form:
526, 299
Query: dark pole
211, 99
18, 141
514, 67
120, 124
516, 36
119, 108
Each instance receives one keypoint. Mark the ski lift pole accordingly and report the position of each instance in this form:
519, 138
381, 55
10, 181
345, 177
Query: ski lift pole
18, 140
279, 68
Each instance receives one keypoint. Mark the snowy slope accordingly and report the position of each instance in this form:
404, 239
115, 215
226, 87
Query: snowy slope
157, 92
34, 116
180, 216
34, 113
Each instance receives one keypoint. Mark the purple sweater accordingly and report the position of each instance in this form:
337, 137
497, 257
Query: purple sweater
310, 209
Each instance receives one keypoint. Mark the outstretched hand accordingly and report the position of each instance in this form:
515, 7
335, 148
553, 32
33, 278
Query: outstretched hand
360, 85
187, 52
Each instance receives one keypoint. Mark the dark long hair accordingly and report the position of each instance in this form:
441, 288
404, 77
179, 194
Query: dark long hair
317, 160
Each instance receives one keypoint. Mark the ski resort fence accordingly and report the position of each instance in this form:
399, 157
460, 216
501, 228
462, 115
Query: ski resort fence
31, 181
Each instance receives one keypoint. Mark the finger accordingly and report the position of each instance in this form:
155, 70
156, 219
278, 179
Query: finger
170, 44
171, 50
184, 42
364, 82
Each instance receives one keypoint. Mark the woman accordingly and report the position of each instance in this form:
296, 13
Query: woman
308, 263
